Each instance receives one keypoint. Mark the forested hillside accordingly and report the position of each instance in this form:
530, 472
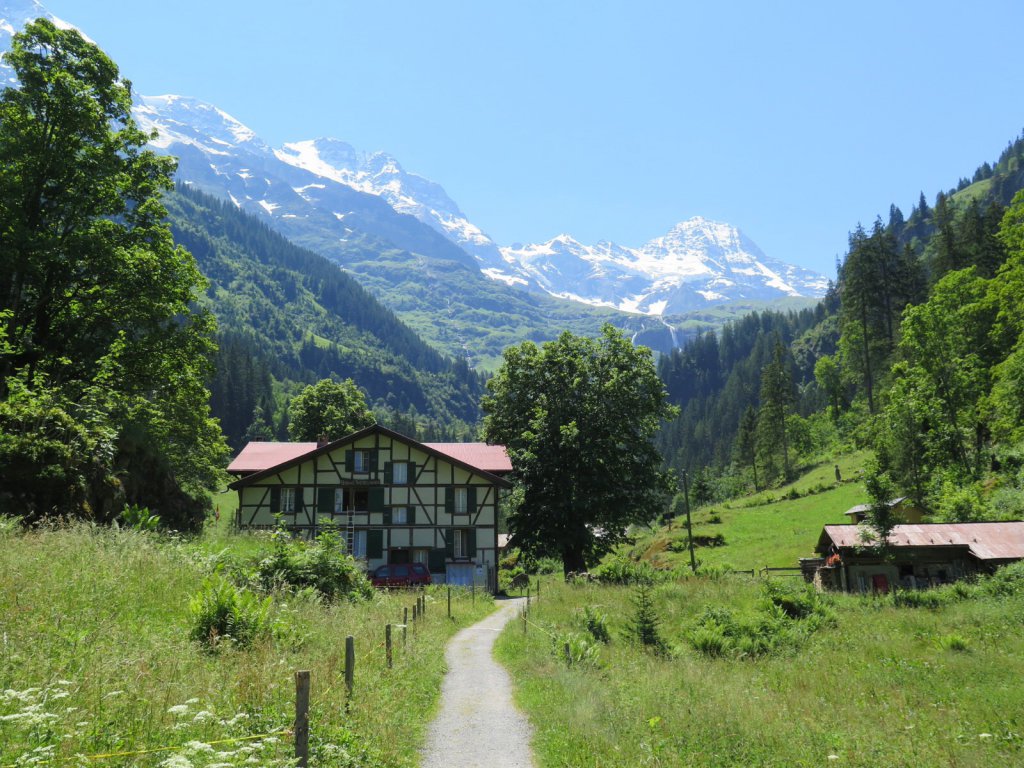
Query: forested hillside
915, 353
288, 317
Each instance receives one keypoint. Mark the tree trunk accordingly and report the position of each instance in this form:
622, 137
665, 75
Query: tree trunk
573, 561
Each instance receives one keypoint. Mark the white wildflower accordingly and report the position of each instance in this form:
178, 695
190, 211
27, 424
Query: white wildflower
176, 761
984, 736
198, 746
178, 710
203, 717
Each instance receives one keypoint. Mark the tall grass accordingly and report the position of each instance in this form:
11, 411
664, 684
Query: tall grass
95, 658
881, 686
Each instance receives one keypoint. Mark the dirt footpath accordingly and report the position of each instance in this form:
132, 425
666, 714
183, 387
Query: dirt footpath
478, 725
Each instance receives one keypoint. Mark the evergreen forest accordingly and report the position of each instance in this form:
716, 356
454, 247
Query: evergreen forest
914, 353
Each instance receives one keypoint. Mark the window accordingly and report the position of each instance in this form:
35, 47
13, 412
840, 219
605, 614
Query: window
359, 544
461, 547
339, 500
398, 516
288, 501
461, 501
361, 461
400, 473
421, 556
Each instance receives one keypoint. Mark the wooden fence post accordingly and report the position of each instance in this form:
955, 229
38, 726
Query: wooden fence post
523, 614
568, 656
387, 644
405, 624
302, 718
538, 587
350, 664
527, 599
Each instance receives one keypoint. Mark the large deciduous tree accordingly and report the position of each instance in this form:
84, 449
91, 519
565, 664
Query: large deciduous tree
101, 340
577, 416
328, 409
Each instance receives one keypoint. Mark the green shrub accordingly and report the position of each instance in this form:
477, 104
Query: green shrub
322, 565
953, 642
920, 598
221, 612
621, 570
581, 650
9, 525
139, 518
596, 624
788, 616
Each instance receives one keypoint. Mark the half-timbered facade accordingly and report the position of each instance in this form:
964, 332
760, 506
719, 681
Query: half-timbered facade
393, 498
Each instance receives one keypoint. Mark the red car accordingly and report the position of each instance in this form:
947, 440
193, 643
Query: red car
400, 575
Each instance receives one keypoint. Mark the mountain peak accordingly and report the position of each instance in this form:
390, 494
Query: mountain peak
188, 120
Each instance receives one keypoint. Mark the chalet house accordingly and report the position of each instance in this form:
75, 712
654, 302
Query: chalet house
922, 555
902, 508
394, 499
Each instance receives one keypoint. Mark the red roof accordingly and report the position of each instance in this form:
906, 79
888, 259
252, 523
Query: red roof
986, 541
489, 458
256, 457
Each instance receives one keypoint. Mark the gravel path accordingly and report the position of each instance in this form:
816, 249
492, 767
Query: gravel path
478, 725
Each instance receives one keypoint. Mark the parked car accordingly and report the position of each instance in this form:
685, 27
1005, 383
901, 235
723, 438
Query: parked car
400, 575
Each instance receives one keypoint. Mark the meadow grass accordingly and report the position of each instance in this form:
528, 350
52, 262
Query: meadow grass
882, 686
772, 528
95, 659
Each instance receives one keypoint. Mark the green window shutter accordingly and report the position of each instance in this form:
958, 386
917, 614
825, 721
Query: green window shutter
374, 543
275, 500
411, 473
389, 473
449, 500
324, 501
387, 517
375, 498
350, 461
471, 542
373, 460
449, 544
410, 515
436, 560
471, 500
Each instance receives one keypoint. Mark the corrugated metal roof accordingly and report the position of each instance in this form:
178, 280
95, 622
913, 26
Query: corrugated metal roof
256, 457
986, 541
867, 507
489, 458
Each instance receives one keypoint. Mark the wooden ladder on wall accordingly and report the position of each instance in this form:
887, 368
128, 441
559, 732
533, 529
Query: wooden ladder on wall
350, 530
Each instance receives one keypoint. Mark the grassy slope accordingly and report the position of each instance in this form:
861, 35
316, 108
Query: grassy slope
96, 622
879, 688
766, 528
884, 686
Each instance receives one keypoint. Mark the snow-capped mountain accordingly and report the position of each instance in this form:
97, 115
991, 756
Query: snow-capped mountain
378, 173
326, 194
699, 262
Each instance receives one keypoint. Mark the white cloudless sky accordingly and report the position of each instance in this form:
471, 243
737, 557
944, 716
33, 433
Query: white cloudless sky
793, 121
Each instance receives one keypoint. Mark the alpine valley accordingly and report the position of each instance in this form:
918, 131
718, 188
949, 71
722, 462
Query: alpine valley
406, 240
270, 228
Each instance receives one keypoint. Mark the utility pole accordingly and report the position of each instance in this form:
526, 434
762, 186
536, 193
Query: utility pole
689, 529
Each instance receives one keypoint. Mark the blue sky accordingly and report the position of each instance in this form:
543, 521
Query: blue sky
610, 120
